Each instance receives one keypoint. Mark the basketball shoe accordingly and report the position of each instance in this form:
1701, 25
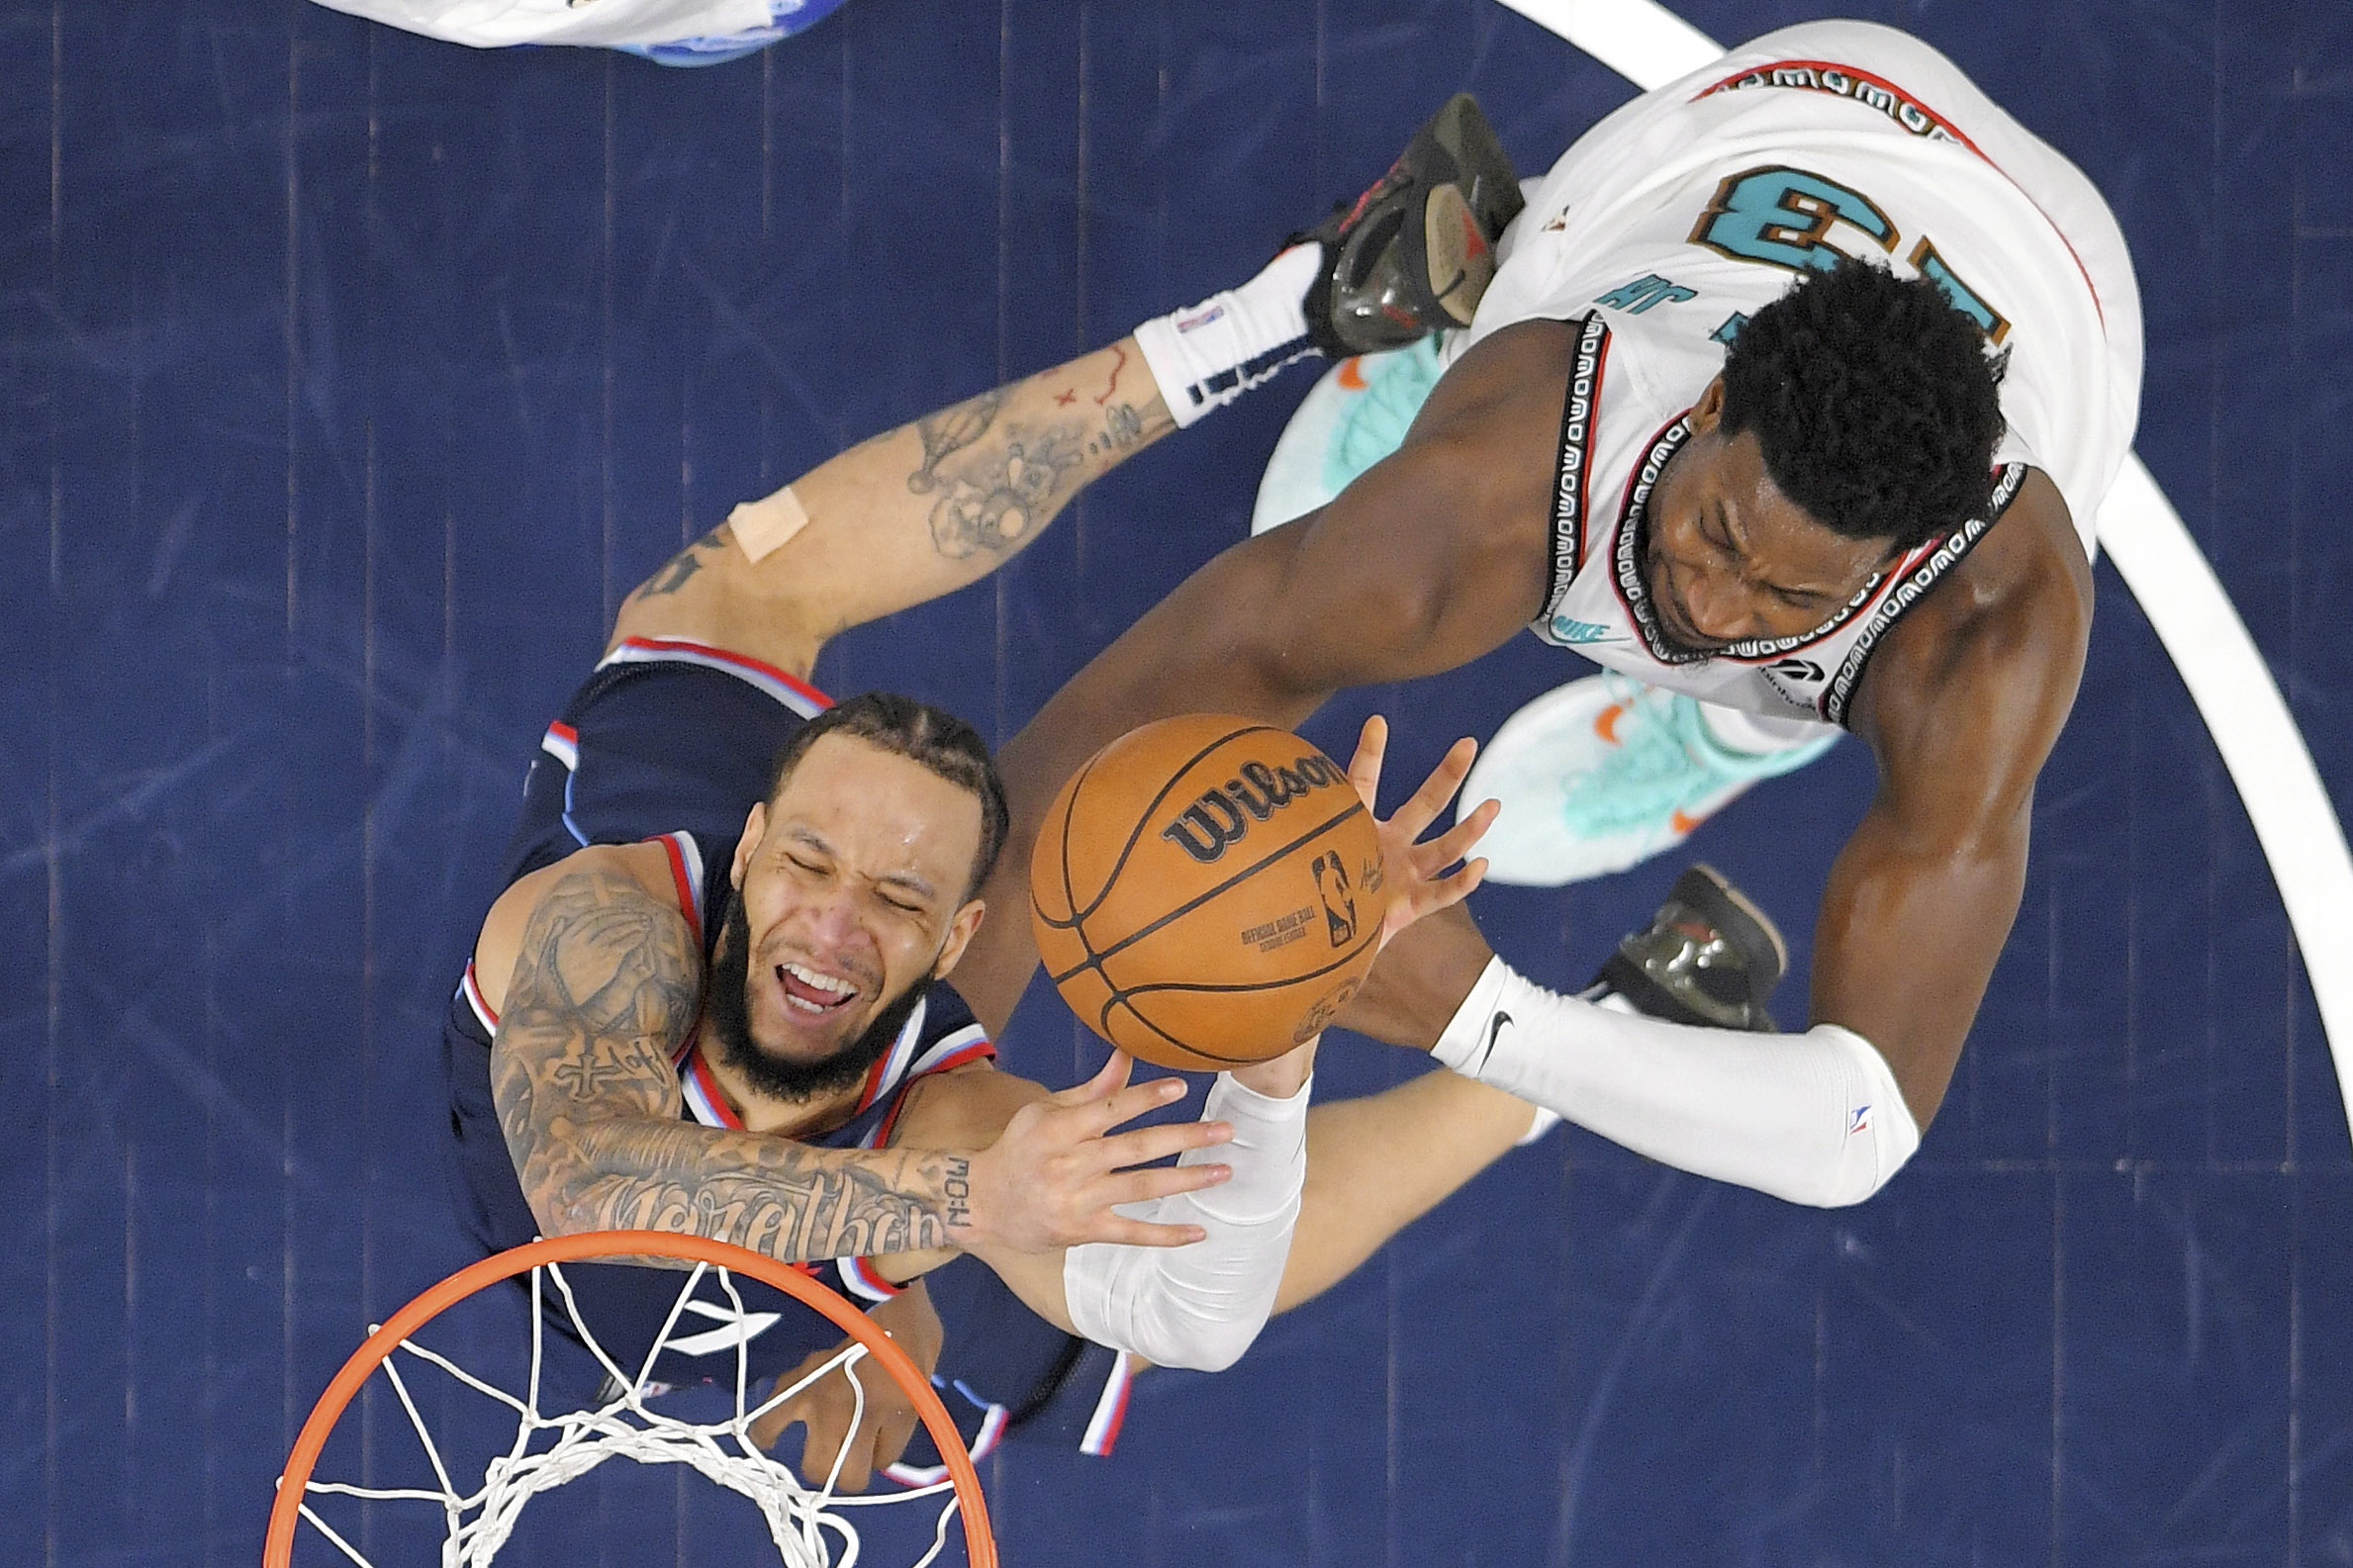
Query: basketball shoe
1351, 419
1415, 253
1709, 957
1604, 773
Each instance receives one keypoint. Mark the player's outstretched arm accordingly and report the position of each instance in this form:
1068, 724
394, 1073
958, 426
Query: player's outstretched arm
948, 499
1961, 704
1432, 557
1962, 707
1201, 1306
904, 517
603, 986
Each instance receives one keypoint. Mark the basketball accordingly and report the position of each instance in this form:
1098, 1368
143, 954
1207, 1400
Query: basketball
1207, 891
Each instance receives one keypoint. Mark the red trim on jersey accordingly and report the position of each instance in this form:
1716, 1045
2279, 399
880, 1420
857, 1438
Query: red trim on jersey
480, 1002
709, 1086
977, 1050
993, 1427
874, 1079
871, 1278
1102, 1446
684, 884
729, 656
1913, 98
563, 731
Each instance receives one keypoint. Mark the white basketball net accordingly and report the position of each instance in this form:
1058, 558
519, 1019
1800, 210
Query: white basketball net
553, 1448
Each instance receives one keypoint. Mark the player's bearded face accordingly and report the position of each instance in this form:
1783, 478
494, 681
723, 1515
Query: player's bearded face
851, 895
777, 1073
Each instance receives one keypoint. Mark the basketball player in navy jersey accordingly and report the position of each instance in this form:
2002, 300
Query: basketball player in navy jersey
711, 996
1792, 402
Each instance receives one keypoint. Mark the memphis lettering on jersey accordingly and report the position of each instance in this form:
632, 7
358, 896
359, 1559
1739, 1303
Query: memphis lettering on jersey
1216, 822
1860, 86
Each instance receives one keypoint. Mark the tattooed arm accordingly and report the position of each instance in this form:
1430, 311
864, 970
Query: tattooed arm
605, 986
597, 979
906, 516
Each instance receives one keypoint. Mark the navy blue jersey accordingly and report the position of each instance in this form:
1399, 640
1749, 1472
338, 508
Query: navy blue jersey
673, 741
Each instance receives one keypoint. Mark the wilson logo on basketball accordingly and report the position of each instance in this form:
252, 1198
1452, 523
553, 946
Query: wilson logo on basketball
1217, 821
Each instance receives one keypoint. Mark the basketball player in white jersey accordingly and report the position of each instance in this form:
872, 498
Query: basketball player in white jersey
1793, 399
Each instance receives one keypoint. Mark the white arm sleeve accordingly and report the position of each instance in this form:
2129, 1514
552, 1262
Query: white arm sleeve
1200, 1306
1813, 1118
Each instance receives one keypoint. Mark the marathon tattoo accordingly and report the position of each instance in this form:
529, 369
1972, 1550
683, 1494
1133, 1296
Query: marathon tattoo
605, 986
673, 573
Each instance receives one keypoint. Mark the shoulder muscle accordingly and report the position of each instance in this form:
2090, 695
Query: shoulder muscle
611, 868
1968, 697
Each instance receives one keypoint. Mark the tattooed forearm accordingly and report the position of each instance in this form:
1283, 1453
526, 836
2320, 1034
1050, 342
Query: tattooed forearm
993, 499
956, 1185
605, 984
951, 430
1125, 427
674, 571
772, 1195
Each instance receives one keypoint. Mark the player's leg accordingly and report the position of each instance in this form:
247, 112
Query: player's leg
1375, 1164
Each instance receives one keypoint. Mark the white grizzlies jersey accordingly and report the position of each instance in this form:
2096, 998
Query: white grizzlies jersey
1669, 223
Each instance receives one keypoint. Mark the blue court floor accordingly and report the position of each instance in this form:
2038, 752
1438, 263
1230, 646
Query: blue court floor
347, 380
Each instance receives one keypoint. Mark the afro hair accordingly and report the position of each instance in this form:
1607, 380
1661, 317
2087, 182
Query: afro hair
1875, 401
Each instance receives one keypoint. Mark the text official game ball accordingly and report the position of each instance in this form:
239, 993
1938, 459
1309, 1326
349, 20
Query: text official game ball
1207, 891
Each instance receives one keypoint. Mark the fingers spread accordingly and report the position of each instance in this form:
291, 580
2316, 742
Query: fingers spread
1431, 799
1130, 1104
1162, 1181
1452, 889
1364, 769
1437, 854
1104, 1085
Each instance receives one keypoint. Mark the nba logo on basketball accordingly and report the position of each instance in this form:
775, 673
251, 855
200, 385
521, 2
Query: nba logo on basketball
1339, 910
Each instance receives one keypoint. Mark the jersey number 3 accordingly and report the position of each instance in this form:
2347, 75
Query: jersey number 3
1783, 218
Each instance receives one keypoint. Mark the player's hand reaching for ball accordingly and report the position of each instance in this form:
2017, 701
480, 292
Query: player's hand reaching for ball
860, 1435
1419, 882
1053, 1176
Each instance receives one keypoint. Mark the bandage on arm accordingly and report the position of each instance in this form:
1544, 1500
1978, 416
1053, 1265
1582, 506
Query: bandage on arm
1813, 1118
1200, 1306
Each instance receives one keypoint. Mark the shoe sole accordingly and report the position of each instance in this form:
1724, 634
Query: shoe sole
1747, 907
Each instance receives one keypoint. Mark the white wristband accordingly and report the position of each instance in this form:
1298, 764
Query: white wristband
1200, 1306
1815, 1118
1209, 355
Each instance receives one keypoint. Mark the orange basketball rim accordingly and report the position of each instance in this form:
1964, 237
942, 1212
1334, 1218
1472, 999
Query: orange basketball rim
286, 1512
